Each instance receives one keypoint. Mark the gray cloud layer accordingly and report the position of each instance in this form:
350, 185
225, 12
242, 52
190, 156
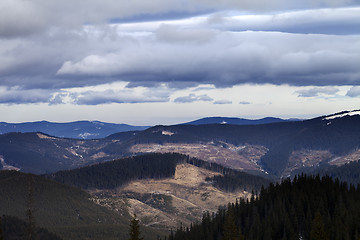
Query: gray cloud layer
47, 47
354, 92
314, 92
229, 59
19, 18
193, 98
223, 101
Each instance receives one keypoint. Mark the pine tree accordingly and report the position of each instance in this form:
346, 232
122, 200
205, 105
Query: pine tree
134, 230
230, 230
1, 232
318, 229
29, 211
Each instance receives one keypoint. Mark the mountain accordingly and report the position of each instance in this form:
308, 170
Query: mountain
236, 121
69, 212
79, 129
40, 153
163, 190
276, 149
349, 172
114, 174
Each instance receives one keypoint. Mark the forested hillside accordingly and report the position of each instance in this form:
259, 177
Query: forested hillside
13, 228
339, 136
349, 172
116, 173
306, 208
63, 210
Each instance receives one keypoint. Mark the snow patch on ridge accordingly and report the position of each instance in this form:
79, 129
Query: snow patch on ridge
86, 135
343, 114
167, 133
6, 166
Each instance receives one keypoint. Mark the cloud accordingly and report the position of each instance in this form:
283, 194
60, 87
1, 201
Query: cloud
315, 92
21, 18
57, 45
193, 98
20, 96
170, 33
234, 58
116, 93
110, 96
354, 92
223, 101
316, 21
244, 102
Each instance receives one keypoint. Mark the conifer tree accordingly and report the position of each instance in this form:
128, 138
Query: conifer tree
29, 211
1, 232
134, 231
230, 230
318, 229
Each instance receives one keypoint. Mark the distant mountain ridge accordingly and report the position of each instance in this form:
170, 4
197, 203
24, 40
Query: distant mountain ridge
97, 129
277, 149
78, 129
236, 121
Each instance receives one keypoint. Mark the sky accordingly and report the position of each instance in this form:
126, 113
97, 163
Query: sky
169, 61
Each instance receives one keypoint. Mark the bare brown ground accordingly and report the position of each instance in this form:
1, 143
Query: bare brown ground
190, 196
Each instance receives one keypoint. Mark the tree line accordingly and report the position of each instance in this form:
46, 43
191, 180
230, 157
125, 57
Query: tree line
115, 173
309, 207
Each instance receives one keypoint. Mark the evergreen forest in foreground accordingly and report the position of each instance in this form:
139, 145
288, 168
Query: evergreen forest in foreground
309, 207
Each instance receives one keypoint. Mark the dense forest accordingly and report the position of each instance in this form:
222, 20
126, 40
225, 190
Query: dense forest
350, 172
306, 208
115, 173
13, 228
66, 211
231, 180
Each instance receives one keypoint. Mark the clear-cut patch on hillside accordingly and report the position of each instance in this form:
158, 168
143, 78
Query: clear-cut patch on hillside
168, 202
238, 157
341, 160
306, 159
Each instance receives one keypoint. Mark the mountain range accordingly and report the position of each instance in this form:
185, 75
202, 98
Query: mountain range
274, 149
97, 129
78, 129
237, 121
